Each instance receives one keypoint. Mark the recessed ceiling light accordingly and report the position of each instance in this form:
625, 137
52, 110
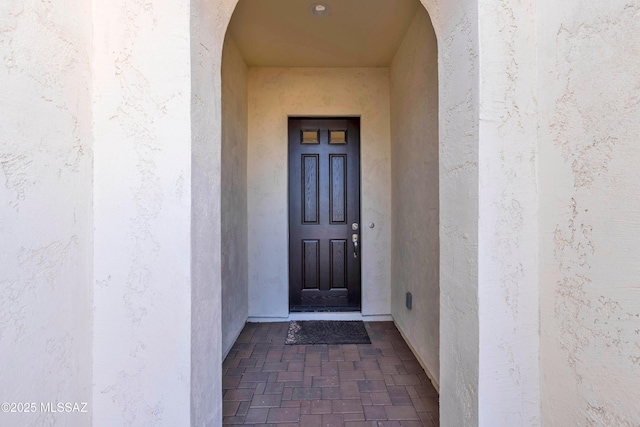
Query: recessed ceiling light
319, 9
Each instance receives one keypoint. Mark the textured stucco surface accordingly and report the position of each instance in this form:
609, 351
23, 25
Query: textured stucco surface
45, 208
142, 294
456, 29
415, 261
156, 108
509, 380
209, 20
589, 100
235, 302
275, 94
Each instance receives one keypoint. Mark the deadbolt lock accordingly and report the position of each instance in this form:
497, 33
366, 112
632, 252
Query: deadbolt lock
354, 226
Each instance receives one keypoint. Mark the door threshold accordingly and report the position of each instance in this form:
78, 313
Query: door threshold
324, 310
323, 316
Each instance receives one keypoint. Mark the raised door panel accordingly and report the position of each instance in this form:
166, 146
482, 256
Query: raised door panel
338, 190
310, 264
310, 189
338, 260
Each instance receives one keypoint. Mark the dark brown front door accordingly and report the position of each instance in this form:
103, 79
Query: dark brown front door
324, 214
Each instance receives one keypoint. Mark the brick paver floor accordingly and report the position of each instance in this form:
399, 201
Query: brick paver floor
268, 383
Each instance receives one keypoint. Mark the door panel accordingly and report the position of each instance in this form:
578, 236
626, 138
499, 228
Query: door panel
310, 188
338, 263
338, 191
324, 202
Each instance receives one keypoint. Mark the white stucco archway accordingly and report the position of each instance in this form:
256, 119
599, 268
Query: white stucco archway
457, 37
168, 150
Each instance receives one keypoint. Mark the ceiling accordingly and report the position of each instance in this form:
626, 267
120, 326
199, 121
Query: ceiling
355, 33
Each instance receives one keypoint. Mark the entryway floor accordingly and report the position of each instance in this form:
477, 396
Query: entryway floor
268, 383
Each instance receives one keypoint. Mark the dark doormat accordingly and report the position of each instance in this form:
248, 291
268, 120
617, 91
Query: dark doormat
327, 332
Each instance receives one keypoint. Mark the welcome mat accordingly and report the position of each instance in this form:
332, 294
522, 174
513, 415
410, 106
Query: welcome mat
327, 332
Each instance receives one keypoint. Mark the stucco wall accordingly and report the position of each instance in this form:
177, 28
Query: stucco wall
142, 296
235, 303
275, 94
143, 301
45, 208
456, 28
508, 281
589, 80
209, 20
415, 258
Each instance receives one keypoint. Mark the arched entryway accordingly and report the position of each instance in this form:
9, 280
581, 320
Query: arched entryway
157, 115
455, 170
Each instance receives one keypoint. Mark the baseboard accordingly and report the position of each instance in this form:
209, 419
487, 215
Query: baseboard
323, 316
417, 356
